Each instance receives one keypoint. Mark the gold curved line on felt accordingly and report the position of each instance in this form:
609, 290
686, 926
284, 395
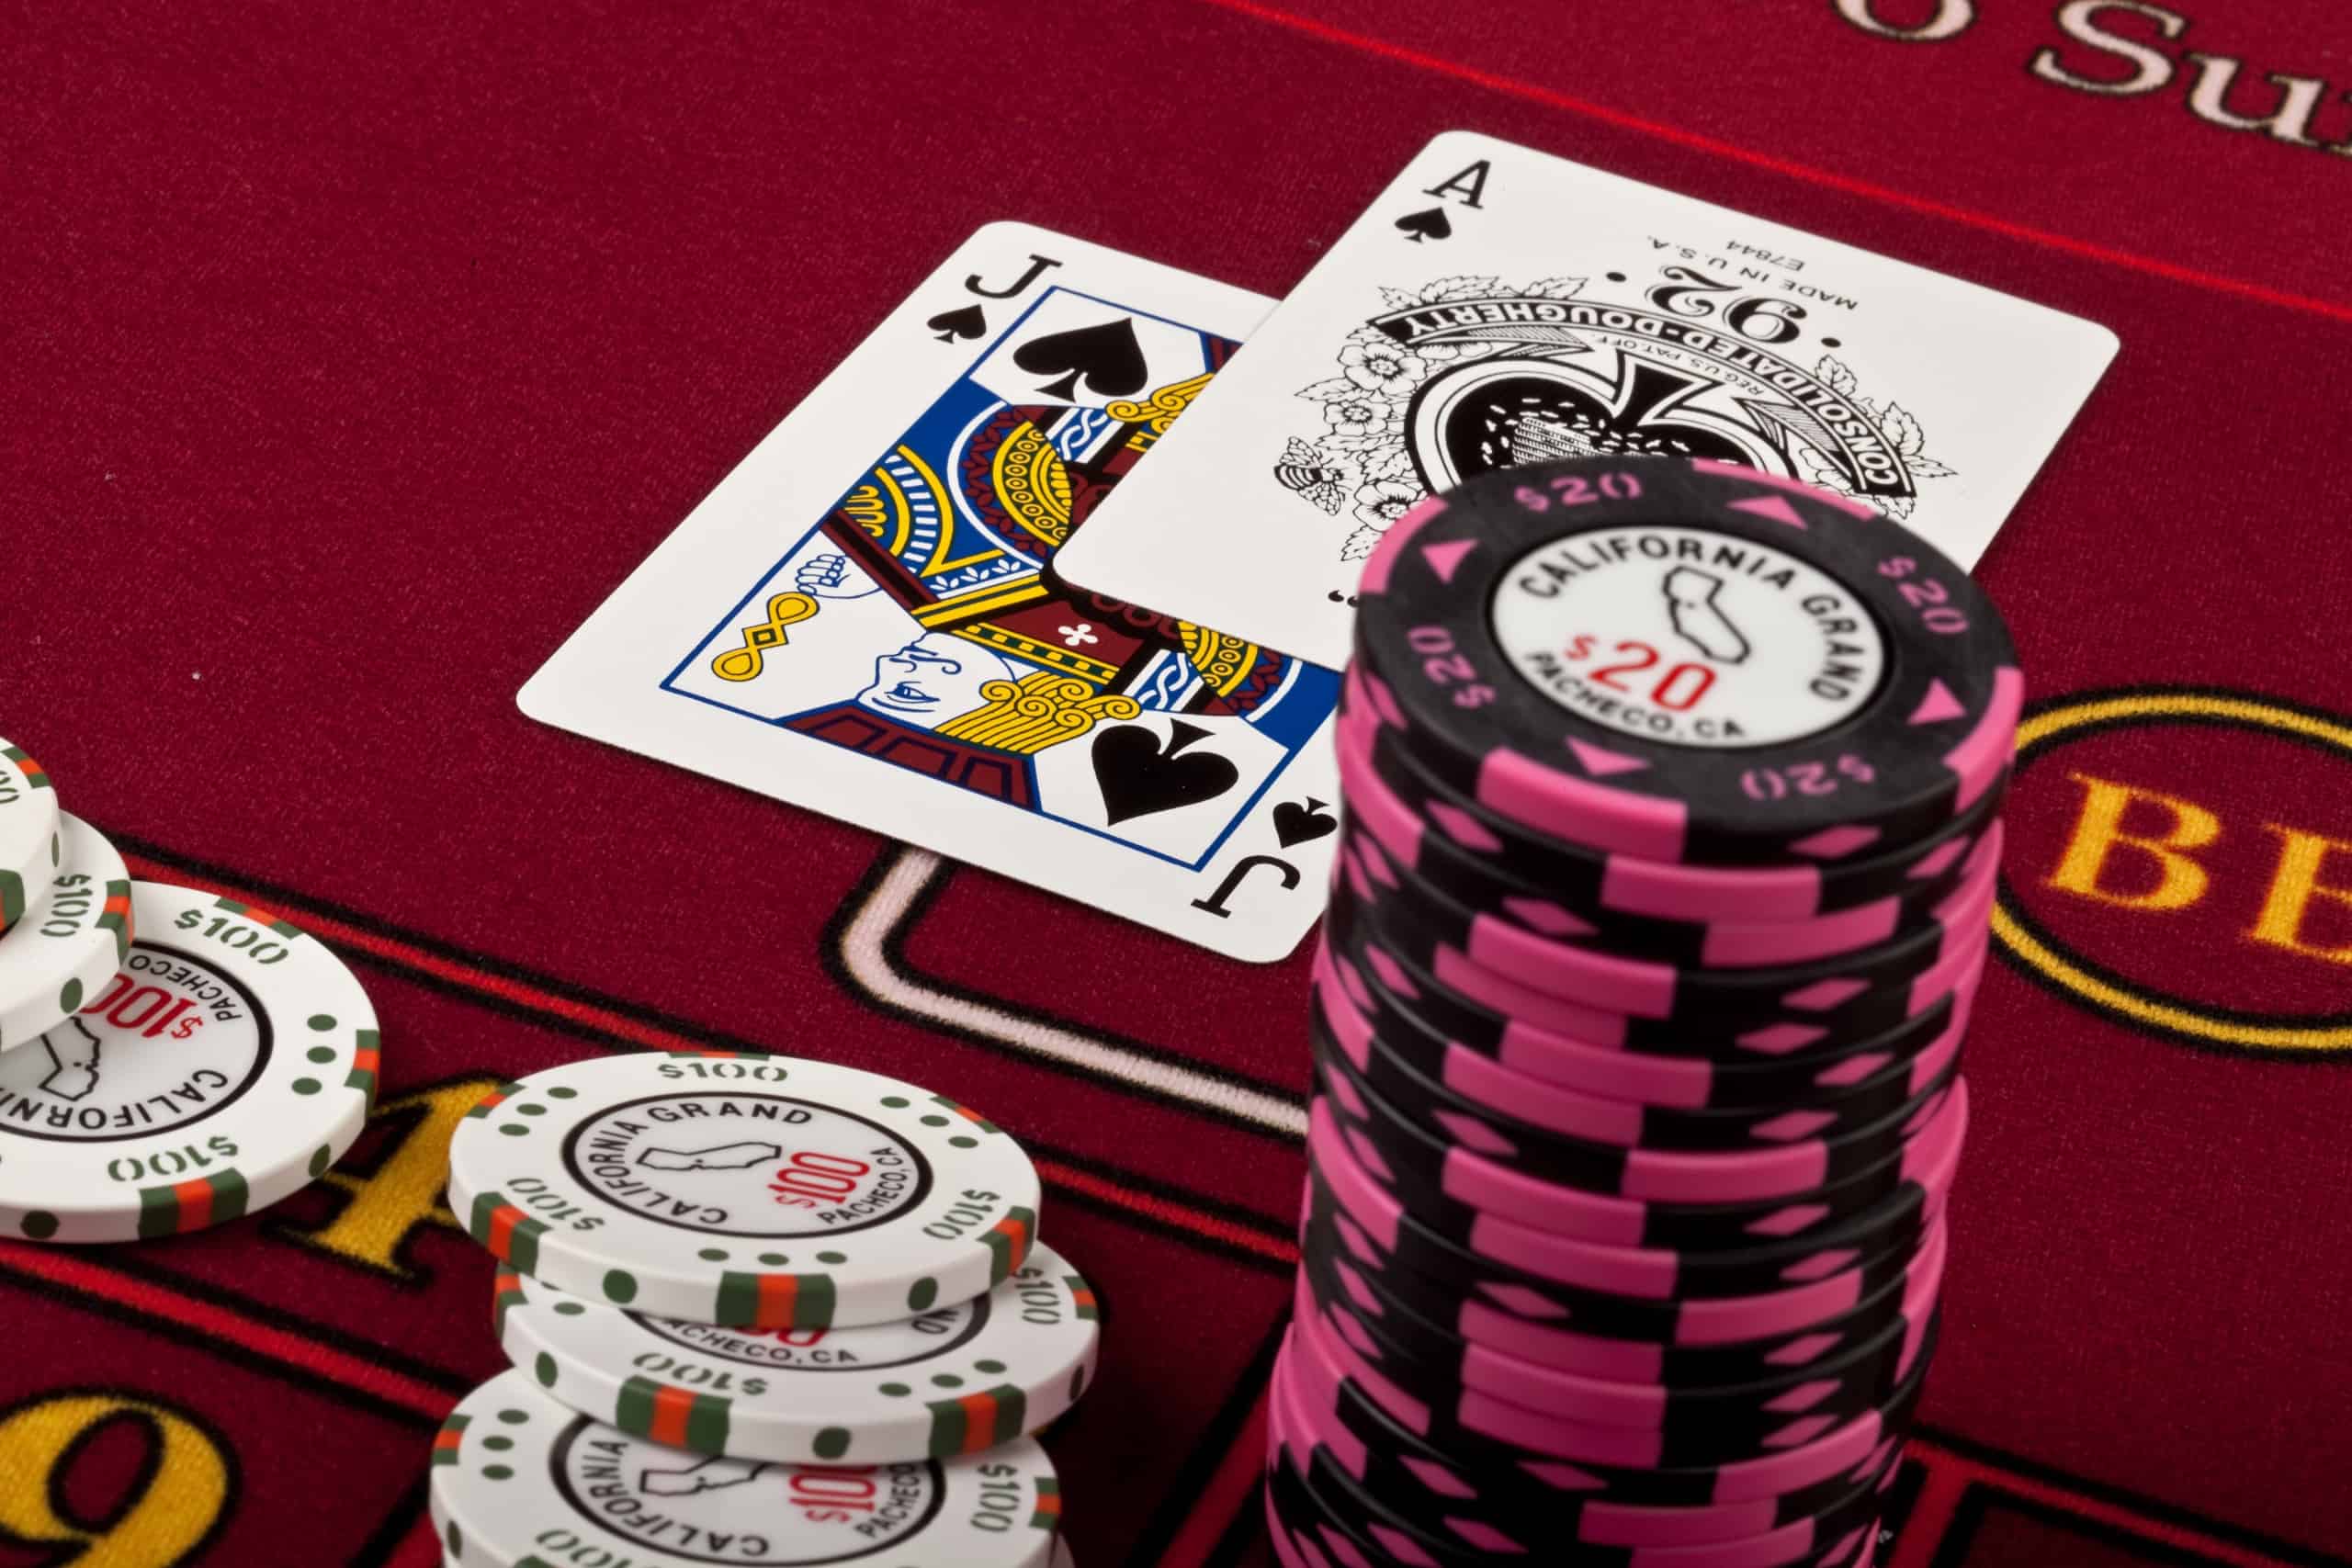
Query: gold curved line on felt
2062, 968
2266, 715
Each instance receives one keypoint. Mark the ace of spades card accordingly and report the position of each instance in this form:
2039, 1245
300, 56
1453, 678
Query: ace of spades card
864, 618
1498, 306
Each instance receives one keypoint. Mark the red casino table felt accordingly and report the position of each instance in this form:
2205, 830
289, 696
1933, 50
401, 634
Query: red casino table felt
358, 352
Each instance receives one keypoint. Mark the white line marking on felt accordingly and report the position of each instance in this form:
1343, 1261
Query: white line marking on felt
864, 953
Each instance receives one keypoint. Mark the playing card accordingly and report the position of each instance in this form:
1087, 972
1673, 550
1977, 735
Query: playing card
865, 618
1499, 306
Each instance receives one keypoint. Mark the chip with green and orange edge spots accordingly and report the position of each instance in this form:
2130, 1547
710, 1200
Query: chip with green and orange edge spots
751, 1190
952, 1381
219, 1059
29, 833
515, 1474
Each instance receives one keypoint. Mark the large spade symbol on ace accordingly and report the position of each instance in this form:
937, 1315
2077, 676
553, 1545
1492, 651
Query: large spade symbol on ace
1106, 357
1138, 778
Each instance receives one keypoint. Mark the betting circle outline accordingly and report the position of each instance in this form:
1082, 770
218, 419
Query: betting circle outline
945, 1203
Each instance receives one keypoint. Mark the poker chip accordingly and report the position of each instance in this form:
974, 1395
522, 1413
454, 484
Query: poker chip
1372, 1033
1412, 1521
952, 1381
29, 849
1507, 1503
1401, 994
66, 949
1687, 661
1435, 1243
1449, 1319
1774, 902
1671, 829
519, 1478
227, 1062
749, 1190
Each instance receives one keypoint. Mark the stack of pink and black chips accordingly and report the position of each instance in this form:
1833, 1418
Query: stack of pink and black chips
1671, 829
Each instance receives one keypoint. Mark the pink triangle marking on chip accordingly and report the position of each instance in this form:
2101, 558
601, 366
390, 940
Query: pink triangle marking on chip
1804, 1396
1790, 1220
1778, 1038
1391, 976
1437, 1478
1601, 762
1369, 1155
1774, 507
1464, 828
1520, 1300
1542, 915
1823, 995
1836, 843
1822, 1264
1446, 559
1399, 1546
1796, 1434
1797, 1352
1473, 1133
1566, 1477
1485, 1538
1343, 1549
1853, 1069
1792, 1125
1938, 706
1929, 869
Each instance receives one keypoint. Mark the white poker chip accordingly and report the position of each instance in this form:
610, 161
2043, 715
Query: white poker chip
66, 948
29, 834
952, 1381
227, 1064
519, 1478
752, 1190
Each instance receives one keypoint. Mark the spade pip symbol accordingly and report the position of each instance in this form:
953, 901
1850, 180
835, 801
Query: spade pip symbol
968, 322
1106, 357
1431, 223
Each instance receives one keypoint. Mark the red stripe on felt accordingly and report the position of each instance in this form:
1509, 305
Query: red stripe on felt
445, 1440
1181, 1215
1233, 1488
1494, 81
75, 1273
420, 1548
1949, 1474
